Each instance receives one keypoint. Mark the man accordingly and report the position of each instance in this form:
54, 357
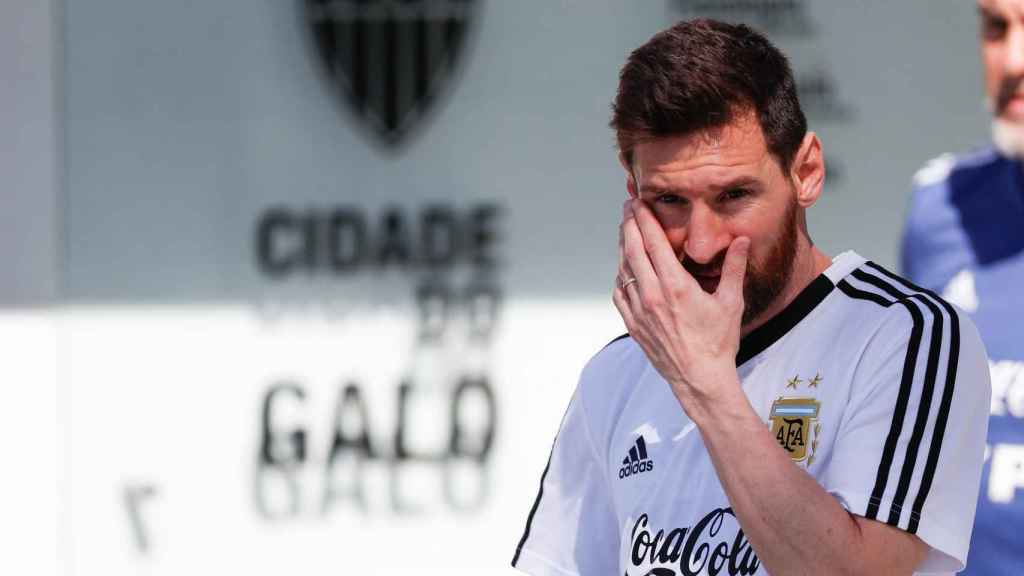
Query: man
772, 410
965, 237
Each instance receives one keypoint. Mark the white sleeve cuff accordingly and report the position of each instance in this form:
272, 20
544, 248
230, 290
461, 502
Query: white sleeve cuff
947, 552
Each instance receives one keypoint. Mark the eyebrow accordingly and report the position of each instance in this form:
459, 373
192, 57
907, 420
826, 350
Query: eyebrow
987, 12
655, 190
991, 12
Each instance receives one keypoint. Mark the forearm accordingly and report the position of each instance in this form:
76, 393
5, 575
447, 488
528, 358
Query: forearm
794, 525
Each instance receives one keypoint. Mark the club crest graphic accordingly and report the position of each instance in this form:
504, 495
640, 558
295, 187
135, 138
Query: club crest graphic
795, 426
389, 60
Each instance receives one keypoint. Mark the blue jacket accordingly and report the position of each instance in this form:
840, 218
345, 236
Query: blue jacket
965, 239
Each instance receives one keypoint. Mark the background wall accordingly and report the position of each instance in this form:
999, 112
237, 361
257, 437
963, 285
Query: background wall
288, 335
29, 172
186, 121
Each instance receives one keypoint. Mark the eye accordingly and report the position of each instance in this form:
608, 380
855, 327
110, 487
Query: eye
993, 28
670, 199
734, 194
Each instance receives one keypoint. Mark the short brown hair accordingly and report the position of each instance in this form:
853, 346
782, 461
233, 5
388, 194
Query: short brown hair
696, 75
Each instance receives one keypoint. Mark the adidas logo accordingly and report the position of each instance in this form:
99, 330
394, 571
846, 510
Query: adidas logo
637, 461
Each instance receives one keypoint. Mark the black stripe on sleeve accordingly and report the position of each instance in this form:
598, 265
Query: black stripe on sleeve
533, 511
906, 383
944, 405
544, 475
540, 491
927, 392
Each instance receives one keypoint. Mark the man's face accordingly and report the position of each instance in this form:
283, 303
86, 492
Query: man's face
707, 189
1002, 50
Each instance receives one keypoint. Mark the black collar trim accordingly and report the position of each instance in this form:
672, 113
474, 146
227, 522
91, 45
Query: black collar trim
777, 327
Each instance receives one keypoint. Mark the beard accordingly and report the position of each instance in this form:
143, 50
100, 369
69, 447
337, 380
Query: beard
765, 278
1007, 134
1008, 138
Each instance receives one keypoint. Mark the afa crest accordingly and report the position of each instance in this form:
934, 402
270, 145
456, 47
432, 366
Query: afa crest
795, 427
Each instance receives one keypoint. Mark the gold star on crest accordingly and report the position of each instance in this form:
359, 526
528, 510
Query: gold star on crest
815, 381
794, 382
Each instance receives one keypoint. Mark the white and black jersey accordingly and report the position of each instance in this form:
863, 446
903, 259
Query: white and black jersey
877, 388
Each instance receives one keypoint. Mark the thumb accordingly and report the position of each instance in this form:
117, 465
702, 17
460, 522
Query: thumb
734, 269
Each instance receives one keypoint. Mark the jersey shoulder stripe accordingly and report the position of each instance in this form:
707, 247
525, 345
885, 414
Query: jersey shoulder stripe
906, 384
927, 393
945, 403
883, 288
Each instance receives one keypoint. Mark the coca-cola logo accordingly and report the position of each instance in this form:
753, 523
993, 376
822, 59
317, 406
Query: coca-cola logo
704, 548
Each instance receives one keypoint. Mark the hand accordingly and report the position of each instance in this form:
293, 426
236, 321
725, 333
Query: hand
691, 337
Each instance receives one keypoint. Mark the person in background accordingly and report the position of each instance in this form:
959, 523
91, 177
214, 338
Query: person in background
964, 237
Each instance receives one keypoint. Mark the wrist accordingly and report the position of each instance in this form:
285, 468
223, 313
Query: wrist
713, 396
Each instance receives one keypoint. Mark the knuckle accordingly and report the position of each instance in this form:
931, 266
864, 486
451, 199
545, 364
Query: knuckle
734, 305
632, 252
617, 299
653, 302
678, 290
729, 307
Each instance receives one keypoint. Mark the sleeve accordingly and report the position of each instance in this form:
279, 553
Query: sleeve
930, 230
918, 253
910, 445
913, 246
572, 528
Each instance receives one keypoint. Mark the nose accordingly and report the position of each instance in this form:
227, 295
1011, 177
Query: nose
706, 236
1013, 58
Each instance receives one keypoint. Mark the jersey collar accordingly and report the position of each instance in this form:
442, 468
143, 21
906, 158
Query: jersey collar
809, 298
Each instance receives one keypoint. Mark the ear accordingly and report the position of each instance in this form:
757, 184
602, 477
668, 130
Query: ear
808, 171
631, 188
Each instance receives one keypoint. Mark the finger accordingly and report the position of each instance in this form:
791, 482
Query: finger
625, 277
648, 287
624, 273
626, 210
734, 270
631, 292
626, 295
627, 284
663, 257
622, 305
